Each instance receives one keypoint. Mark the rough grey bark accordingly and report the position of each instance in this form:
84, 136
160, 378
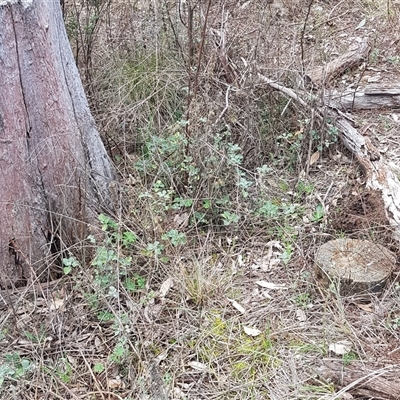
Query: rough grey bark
54, 171
360, 380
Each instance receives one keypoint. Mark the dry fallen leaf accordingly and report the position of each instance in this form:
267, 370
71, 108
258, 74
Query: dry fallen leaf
238, 307
198, 366
115, 383
299, 132
177, 393
181, 220
274, 243
98, 344
240, 261
166, 286
347, 396
251, 331
361, 24
314, 158
72, 360
266, 262
269, 260
270, 285
56, 304
161, 357
266, 295
341, 347
365, 307
301, 315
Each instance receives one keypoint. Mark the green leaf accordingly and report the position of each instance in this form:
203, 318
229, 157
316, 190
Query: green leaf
176, 238
130, 285
319, 213
107, 223
155, 248
268, 210
207, 204
91, 239
229, 218
98, 368
128, 238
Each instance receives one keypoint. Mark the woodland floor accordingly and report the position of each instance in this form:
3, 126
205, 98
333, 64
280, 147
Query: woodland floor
233, 311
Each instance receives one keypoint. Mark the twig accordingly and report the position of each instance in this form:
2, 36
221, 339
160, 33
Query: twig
293, 95
226, 105
200, 56
302, 37
284, 89
92, 374
329, 189
103, 392
310, 142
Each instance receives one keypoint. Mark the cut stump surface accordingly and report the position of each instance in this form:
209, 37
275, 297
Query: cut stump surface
355, 266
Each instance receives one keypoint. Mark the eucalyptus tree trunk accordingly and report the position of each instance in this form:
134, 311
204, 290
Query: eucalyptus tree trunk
55, 174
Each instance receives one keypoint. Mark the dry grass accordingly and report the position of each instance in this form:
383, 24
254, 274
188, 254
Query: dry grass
214, 199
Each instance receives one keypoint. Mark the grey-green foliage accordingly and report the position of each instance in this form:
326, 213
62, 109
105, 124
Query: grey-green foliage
13, 367
111, 263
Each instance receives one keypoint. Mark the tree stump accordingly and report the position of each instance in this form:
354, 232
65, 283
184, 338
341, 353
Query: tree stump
354, 266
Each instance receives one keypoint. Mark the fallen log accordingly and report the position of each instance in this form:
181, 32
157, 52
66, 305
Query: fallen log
357, 379
378, 175
357, 53
371, 97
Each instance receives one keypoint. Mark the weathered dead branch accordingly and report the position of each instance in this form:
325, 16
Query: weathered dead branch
364, 97
356, 54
